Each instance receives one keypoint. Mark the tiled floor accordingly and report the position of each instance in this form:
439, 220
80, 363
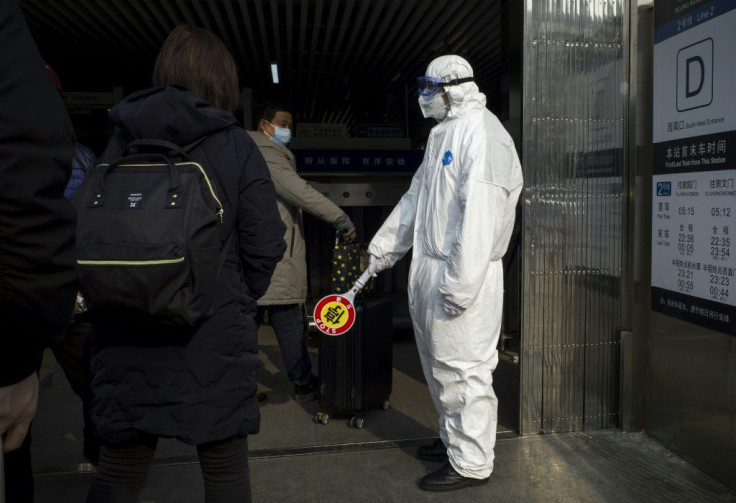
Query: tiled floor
296, 459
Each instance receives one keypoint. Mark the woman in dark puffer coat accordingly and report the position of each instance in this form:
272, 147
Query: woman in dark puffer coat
198, 386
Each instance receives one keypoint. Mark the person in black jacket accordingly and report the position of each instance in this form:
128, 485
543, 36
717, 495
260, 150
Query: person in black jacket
37, 269
72, 353
196, 385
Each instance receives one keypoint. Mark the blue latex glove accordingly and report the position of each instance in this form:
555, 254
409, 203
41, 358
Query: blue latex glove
450, 308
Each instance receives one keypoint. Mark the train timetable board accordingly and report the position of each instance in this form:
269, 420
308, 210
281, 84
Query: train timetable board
694, 162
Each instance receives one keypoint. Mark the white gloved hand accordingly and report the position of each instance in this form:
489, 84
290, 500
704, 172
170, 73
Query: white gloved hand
450, 308
376, 265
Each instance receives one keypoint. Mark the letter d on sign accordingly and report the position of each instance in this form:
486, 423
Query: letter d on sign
701, 67
695, 75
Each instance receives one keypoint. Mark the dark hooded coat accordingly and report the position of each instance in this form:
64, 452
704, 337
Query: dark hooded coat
196, 385
37, 262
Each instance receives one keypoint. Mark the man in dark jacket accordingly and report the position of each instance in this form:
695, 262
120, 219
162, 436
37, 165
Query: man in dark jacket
37, 272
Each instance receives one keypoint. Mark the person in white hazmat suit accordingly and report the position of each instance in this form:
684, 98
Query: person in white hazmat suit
457, 215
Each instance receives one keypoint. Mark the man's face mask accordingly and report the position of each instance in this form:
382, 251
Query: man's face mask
431, 92
281, 135
434, 106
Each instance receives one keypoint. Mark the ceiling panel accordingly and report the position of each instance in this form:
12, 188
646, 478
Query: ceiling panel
348, 61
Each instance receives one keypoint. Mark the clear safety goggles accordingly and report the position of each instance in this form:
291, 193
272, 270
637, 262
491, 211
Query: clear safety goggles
429, 86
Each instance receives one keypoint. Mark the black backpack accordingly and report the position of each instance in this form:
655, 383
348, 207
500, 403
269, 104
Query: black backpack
148, 237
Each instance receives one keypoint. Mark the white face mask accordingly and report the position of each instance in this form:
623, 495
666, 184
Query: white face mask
434, 106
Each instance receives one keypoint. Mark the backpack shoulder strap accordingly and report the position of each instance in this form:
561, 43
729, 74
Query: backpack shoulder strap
151, 144
233, 234
191, 146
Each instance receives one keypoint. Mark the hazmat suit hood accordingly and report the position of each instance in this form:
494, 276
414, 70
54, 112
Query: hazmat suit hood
463, 98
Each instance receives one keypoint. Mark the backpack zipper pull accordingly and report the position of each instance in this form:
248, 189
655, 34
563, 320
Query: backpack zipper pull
220, 213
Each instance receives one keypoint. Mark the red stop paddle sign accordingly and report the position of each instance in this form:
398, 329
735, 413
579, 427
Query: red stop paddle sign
335, 314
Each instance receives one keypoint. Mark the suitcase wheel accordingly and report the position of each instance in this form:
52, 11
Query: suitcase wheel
321, 417
385, 405
357, 422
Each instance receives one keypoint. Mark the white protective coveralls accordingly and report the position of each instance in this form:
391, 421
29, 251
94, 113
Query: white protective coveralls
458, 215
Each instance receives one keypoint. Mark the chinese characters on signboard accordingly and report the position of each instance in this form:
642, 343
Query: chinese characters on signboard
694, 155
355, 161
